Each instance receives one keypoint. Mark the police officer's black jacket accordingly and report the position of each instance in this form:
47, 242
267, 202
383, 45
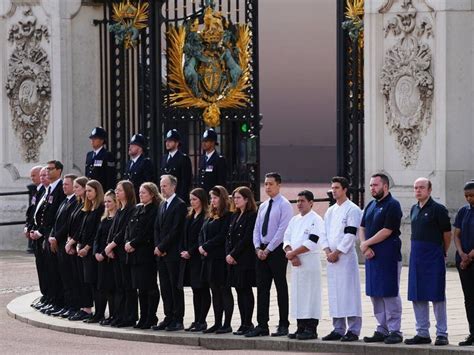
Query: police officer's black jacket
180, 167
101, 168
35, 197
139, 233
141, 171
44, 220
61, 228
169, 226
213, 172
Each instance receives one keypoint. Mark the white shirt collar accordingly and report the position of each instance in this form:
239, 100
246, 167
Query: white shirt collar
136, 158
39, 187
70, 196
98, 150
170, 199
208, 155
53, 185
172, 153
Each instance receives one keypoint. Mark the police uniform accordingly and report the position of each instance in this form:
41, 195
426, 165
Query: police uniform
178, 164
212, 168
141, 169
100, 165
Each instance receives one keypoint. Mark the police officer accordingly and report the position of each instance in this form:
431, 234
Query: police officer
177, 164
100, 163
139, 169
212, 167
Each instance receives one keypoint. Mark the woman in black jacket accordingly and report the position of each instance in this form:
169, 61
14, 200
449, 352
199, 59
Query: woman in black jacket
105, 271
212, 249
139, 245
190, 268
241, 256
126, 296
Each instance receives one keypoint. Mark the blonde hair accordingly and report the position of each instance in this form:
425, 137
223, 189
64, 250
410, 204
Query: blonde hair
111, 194
153, 191
99, 197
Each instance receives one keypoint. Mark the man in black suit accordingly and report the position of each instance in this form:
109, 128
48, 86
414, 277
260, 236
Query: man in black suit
44, 218
61, 265
177, 164
100, 163
33, 190
212, 167
139, 169
168, 237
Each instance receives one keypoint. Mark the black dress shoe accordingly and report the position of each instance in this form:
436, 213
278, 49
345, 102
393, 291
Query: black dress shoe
258, 332
376, 338
199, 327
299, 330
115, 322
106, 321
468, 341
188, 329
140, 323
45, 308
60, 312
418, 340
149, 323
307, 334
52, 310
441, 340
349, 336
174, 326
81, 315
393, 338
280, 331
70, 312
223, 330
126, 324
161, 326
94, 319
211, 329
332, 336
243, 329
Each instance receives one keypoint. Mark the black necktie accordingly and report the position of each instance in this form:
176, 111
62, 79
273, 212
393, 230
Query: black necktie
266, 218
93, 155
169, 158
49, 192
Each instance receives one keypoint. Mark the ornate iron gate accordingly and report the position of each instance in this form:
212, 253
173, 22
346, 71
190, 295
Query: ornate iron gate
135, 91
350, 96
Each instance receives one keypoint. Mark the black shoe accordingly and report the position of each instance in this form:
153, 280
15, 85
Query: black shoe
281, 331
418, 340
223, 330
52, 310
258, 332
126, 324
191, 327
45, 308
307, 334
349, 336
199, 327
94, 319
376, 338
149, 323
174, 326
81, 315
69, 313
211, 329
106, 321
332, 336
140, 322
115, 322
441, 340
60, 312
299, 330
161, 326
244, 329
393, 338
468, 341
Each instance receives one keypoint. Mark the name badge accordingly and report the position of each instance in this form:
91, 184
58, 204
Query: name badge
97, 162
50, 199
209, 169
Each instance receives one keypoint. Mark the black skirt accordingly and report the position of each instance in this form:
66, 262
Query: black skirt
90, 268
190, 273
144, 276
214, 271
240, 278
105, 275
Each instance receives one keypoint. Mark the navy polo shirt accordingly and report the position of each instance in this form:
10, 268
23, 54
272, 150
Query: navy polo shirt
465, 222
429, 222
379, 214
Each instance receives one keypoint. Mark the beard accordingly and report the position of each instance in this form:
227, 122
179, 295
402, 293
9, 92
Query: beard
378, 195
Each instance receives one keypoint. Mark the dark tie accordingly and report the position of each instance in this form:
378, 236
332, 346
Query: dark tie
93, 155
49, 192
266, 218
168, 159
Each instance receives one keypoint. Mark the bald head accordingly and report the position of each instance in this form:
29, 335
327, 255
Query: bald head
35, 174
422, 189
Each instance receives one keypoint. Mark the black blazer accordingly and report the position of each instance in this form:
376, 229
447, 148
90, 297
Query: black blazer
139, 233
30, 212
180, 167
45, 216
169, 228
192, 227
213, 172
90, 223
101, 168
75, 221
100, 240
60, 229
213, 234
117, 230
239, 242
141, 171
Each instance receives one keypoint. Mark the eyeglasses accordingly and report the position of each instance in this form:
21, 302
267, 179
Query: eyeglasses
51, 168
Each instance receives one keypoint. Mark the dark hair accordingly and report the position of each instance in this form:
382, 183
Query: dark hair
247, 194
153, 190
57, 164
383, 177
224, 202
70, 176
469, 185
341, 180
127, 186
202, 195
275, 176
307, 194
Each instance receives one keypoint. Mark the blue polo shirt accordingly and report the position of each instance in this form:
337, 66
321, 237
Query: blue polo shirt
465, 222
429, 222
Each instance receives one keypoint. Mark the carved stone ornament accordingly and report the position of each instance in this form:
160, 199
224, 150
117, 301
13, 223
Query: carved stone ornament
28, 84
407, 81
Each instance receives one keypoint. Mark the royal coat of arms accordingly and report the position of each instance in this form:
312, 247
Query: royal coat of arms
209, 64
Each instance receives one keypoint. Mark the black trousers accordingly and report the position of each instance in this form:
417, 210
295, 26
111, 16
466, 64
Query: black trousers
467, 283
273, 268
222, 303
86, 295
55, 285
130, 311
149, 300
69, 279
246, 302
201, 303
102, 298
41, 266
173, 297
119, 292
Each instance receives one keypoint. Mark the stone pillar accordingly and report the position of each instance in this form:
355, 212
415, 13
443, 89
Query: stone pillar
419, 106
42, 57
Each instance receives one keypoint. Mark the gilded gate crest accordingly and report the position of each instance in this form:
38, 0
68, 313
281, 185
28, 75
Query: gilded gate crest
209, 64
